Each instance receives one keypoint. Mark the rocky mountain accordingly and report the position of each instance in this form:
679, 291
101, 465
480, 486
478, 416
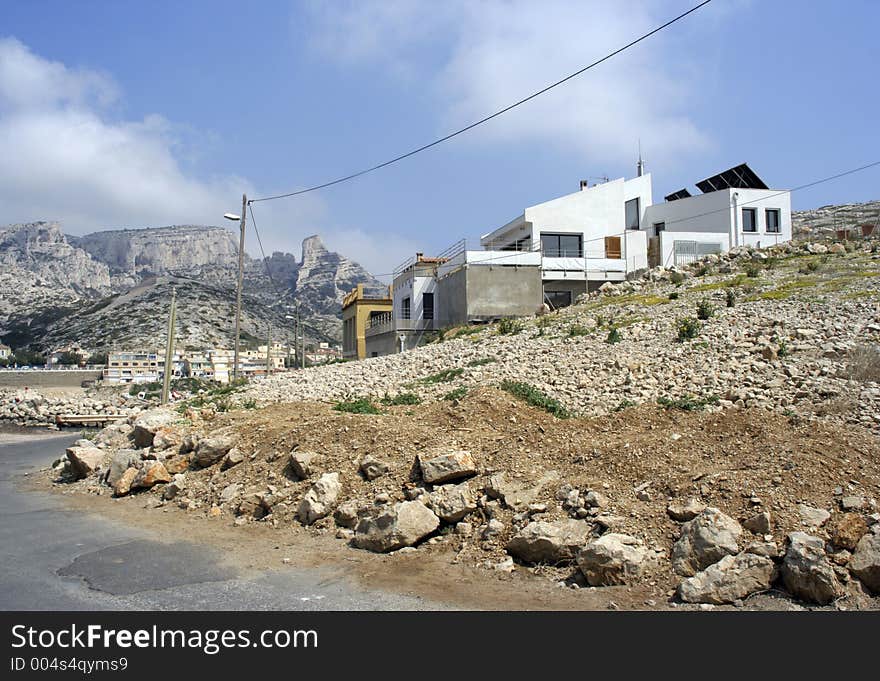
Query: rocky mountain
826, 220
113, 288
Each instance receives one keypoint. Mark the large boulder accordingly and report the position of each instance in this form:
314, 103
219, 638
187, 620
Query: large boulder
210, 450
847, 530
147, 424
303, 464
452, 502
730, 579
152, 473
321, 499
401, 525
806, 571
85, 460
123, 485
446, 467
550, 542
865, 562
705, 540
612, 559
121, 462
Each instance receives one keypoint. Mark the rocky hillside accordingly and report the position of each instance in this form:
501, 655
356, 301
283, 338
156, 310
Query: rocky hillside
113, 288
824, 221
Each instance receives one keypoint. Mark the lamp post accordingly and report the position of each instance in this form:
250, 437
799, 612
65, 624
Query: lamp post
241, 218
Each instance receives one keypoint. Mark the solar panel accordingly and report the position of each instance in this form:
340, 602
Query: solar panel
680, 194
739, 177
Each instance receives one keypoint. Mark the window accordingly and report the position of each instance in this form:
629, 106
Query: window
659, 227
772, 218
612, 247
405, 308
427, 306
562, 245
750, 220
557, 299
632, 214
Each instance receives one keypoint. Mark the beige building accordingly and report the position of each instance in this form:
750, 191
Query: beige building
358, 310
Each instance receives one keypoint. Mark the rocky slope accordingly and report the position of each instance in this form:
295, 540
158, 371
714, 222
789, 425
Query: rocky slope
825, 220
113, 288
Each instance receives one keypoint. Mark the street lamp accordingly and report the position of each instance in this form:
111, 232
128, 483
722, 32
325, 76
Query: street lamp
241, 219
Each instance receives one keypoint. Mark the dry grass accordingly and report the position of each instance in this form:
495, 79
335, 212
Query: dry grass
863, 363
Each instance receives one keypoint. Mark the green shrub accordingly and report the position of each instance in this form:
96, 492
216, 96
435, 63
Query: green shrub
624, 404
444, 376
614, 336
753, 270
702, 271
687, 402
481, 362
357, 405
402, 398
456, 394
688, 328
534, 397
676, 278
783, 348
578, 330
509, 326
705, 309
730, 297
673, 295
248, 403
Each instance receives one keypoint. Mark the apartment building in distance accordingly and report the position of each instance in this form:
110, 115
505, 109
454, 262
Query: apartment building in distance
359, 308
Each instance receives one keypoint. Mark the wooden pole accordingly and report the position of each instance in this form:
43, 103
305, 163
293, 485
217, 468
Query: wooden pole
169, 348
240, 283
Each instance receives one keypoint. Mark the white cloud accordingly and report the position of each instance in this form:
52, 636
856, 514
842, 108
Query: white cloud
477, 57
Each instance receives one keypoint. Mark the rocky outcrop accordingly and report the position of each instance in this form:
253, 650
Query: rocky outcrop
612, 559
403, 524
704, 540
807, 572
550, 542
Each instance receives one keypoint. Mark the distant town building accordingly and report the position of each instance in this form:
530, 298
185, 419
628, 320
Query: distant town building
359, 309
5, 351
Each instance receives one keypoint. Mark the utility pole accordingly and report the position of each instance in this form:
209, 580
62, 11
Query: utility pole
169, 348
297, 358
269, 350
303, 341
240, 283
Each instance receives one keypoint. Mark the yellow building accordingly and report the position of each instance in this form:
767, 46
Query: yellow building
357, 311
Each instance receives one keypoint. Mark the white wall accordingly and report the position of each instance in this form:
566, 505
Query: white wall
413, 287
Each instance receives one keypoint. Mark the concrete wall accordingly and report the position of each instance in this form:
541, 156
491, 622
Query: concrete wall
478, 292
452, 295
46, 379
382, 344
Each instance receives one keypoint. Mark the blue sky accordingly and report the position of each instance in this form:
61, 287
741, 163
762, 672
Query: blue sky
144, 114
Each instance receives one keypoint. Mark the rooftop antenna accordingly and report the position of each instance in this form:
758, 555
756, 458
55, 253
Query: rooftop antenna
640, 167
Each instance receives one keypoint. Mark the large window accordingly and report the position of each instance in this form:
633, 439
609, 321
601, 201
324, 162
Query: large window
633, 217
562, 245
427, 306
750, 220
405, 310
772, 219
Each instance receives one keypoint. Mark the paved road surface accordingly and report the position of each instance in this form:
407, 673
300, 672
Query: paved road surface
56, 559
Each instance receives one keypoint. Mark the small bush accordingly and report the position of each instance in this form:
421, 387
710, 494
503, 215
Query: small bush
753, 270
578, 330
483, 361
705, 309
688, 328
248, 403
730, 297
456, 394
863, 363
402, 398
534, 397
688, 402
444, 376
508, 326
783, 350
624, 404
676, 278
673, 295
614, 336
357, 405
702, 271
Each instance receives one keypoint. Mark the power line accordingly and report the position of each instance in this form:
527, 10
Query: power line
490, 116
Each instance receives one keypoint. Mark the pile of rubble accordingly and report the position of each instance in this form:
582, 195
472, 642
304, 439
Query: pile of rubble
707, 508
31, 408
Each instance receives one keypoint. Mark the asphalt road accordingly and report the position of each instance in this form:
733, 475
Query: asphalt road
53, 558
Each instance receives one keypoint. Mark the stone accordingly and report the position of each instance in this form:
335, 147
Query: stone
806, 571
494, 528
175, 487
122, 460
730, 579
177, 464
152, 473
210, 450
464, 529
452, 503
85, 460
682, 512
593, 499
233, 458
768, 549
769, 353
612, 559
230, 492
372, 468
550, 542
758, 523
515, 496
446, 467
148, 423
167, 437
403, 524
189, 443
847, 530
303, 464
252, 505
813, 517
346, 515
320, 500
852, 503
865, 562
705, 540
123, 485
